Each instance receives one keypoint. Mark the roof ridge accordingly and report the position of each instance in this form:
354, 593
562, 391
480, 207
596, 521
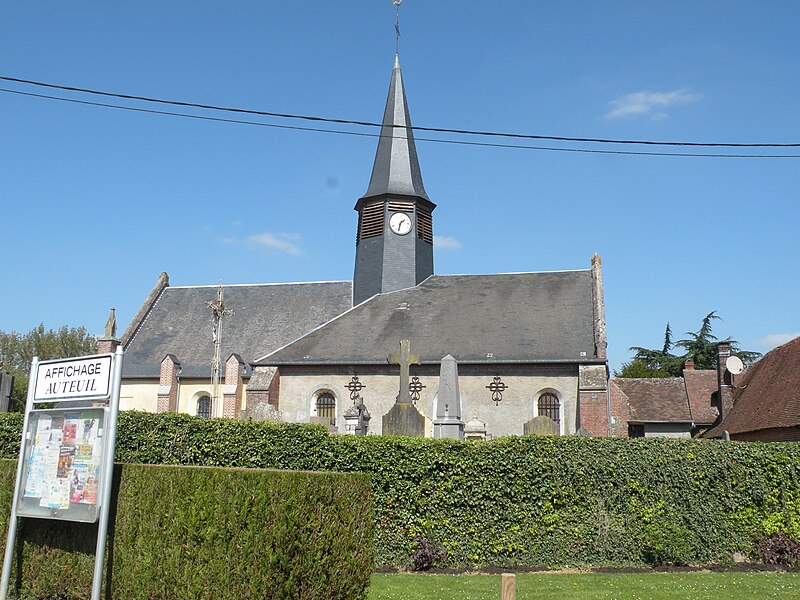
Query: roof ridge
277, 283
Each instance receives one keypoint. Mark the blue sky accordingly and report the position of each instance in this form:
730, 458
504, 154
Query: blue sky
95, 203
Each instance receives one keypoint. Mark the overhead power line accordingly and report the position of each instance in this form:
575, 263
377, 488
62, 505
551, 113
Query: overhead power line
370, 124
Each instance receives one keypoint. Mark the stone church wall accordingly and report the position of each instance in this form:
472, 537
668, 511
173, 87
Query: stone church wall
142, 394
301, 386
139, 394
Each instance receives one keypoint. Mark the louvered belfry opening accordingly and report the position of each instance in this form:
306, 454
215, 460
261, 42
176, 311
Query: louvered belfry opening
370, 221
424, 224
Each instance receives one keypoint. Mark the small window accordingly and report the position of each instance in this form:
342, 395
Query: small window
204, 407
549, 406
326, 407
635, 430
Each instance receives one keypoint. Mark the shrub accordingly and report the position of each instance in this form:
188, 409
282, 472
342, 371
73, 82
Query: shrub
210, 533
426, 554
515, 501
779, 549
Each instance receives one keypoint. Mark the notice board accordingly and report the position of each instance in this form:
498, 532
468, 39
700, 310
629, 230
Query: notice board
62, 470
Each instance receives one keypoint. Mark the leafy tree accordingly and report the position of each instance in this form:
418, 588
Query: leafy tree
653, 363
17, 352
699, 346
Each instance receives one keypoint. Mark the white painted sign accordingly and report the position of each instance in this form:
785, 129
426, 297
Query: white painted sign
73, 378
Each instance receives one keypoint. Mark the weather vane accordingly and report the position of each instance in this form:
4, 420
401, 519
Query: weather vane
397, 4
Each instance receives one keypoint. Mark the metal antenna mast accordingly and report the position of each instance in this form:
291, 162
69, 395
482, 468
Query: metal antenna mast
218, 312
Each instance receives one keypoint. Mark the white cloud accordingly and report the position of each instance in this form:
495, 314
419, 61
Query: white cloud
446, 242
775, 339
652, 104
283, 242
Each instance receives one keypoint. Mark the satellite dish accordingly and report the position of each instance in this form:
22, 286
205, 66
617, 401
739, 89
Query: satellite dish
734, 364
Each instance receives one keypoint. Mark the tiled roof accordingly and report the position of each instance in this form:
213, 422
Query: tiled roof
654, 400
701, 385
524, 317
767, 394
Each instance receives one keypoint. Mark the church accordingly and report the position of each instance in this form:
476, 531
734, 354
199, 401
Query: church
525, 344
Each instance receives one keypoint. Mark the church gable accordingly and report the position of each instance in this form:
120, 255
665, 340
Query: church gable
485, 319
263, 316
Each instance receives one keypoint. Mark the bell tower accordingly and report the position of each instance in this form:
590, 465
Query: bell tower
394, 242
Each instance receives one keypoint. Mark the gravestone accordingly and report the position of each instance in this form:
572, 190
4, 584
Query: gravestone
324, 421
448, 423
541, 426
356, 418
404, 418
6, 383
475, 430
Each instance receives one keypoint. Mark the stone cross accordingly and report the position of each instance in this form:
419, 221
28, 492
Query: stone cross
405, 359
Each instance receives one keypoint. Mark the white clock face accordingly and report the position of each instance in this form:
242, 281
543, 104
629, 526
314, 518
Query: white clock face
400, 223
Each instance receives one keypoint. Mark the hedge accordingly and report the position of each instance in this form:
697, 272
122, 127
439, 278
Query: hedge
516, 501
183, 532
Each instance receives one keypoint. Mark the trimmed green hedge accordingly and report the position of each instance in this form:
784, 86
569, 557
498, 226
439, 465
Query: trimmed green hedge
183, 532
528, 501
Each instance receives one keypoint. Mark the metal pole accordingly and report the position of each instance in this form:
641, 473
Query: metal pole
11, 541
108, 476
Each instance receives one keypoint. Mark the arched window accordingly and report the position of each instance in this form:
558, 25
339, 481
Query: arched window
204, 406
549, 406
326, 406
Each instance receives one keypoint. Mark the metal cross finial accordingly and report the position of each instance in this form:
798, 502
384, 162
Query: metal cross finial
405, 359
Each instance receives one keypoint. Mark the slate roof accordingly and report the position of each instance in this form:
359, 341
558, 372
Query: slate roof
661, 400
506, 318
265, 317
767, 394
396, 167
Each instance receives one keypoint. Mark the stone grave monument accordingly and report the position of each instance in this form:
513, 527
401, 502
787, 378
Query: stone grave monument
356, 418
448, 423
541, 426
404, 418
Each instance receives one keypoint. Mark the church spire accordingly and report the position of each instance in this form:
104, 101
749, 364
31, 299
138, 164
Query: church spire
396, 169
394, 243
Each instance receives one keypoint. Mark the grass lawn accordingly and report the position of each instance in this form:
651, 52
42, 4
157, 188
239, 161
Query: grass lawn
544, 586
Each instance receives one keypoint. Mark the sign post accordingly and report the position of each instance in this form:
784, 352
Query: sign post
66, 459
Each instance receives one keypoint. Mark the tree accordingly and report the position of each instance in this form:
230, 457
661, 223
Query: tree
17, 352
653, 363
699, 346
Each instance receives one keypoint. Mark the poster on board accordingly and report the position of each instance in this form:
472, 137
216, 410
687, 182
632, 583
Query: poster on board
62, 469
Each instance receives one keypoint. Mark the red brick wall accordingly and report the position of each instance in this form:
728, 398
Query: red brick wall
593, 412
168, 378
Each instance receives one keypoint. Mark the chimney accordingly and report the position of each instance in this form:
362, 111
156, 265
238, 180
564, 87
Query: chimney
688, 365
724, 381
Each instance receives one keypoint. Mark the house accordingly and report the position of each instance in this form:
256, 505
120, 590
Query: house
665, 407
766, 399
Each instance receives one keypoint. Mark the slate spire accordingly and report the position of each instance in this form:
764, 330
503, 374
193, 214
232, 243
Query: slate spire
396, 169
